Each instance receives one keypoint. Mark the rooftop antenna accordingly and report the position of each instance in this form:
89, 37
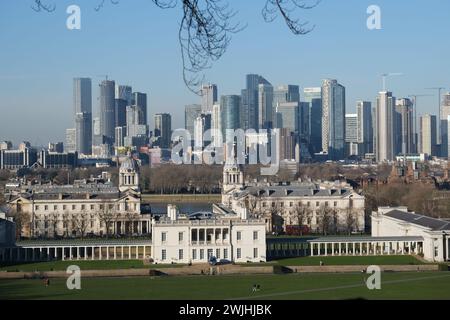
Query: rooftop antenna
386, 75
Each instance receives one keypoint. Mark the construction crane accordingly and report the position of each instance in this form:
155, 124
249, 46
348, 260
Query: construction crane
414, 97
103, 76
386, 75
438, 129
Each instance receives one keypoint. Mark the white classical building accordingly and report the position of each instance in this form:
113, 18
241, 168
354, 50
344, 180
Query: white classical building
434, 233
86, 207
336, 202
232, 237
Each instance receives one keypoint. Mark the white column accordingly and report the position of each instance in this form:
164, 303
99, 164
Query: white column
326, 248
63, 254
93, 253
85, 253
107, 252
312, 249
137, 253
121, 256
354, 248
129, 252
346, 248
144, 251
48, 253
340, 248
332, 249
115, 254
78, 253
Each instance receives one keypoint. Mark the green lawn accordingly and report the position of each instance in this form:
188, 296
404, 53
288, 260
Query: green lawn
86, 265
417, 285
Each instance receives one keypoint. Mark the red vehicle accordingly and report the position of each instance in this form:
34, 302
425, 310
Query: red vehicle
297, 230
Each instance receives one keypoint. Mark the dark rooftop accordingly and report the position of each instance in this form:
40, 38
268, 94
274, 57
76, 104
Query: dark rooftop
421, 220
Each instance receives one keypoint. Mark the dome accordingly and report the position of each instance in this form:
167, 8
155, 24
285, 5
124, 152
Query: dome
129, 164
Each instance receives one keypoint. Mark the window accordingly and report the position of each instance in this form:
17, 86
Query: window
239, 235
225, 254
163, 236
264, 204
45, 208
238, 253
74, 207
83, 207
218, 253
194, 254
36, 208
55, 208
202, 254
92, 207
64, 207
291, 204
180, 236
255, 235
164, 254
210, 253
308, 204
317, 204
180, 254
255, 253
326, 203
335, 203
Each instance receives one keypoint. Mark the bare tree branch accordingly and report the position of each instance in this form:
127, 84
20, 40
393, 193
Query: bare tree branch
206, 27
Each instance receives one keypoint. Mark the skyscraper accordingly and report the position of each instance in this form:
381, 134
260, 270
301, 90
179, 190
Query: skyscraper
140, 101
71, 140
287, 116
265, 106
313, 96
124, 93
249, 99
163, 129
365, 127
83, 133
333, 119
445, 114
120, 112
385, 145
284, 94
137, 133
404, 133
107, 110
428, 134
209, 97
216, 125
230, 106
191, 112
82, 103
351, 133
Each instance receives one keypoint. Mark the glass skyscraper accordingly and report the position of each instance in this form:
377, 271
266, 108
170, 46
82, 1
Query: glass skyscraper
107, 110
333, 119
313, 96
230, 107
82, 103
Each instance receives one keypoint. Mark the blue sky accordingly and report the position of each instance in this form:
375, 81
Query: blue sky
136, 43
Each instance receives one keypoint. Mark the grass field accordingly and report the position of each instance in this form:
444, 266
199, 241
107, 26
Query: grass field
418, 285
138, 264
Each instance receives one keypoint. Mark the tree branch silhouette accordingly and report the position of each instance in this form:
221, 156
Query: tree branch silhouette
206, 28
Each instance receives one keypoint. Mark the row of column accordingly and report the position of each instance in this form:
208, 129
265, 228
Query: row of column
224, 235
365, 248
119, 227
128, 252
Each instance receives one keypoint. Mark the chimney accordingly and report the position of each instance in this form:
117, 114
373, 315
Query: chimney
172, 212
244, 213
88, 196
60, 196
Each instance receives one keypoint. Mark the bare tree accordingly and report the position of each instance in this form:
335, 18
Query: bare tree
21, 220
66, 223
81, 223
54, 221
301, 214
350, 220
324, 217
206, 27
107, 216
276, 220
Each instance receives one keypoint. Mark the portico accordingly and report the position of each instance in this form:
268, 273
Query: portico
366, 246
76, 250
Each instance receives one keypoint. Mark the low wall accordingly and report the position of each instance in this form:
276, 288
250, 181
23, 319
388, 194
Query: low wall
359, 268
217, 270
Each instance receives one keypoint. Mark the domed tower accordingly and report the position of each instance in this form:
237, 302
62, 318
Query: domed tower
233, 177
129, 175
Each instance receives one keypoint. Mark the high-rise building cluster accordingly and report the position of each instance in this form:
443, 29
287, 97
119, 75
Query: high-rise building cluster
121, 119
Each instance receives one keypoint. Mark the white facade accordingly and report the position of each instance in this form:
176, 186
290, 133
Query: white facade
228, 238
399, 222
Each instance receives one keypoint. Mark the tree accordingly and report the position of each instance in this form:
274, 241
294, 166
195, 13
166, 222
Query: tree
324, 217
54, 221
350, 221
107, 216
301, 213
276, 220
66, 221
21, 220
81, 223
206, 26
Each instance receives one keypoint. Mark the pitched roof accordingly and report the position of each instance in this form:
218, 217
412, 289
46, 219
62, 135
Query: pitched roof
418, 219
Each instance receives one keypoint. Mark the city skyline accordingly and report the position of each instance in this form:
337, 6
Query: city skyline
63, 55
